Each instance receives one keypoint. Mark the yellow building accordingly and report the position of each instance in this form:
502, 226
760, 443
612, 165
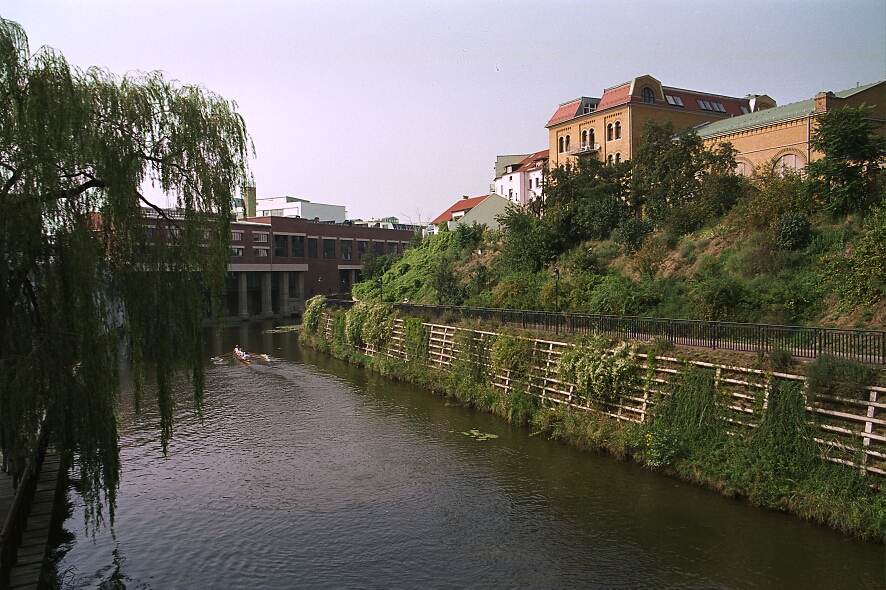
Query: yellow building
609, 128
781, 135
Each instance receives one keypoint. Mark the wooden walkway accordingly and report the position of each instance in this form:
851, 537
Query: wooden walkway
32, 551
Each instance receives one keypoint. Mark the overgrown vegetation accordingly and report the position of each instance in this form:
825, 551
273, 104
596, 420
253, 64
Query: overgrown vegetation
777, 464
675, 233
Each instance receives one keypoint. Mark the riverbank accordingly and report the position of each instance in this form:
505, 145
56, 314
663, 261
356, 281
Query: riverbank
746, 434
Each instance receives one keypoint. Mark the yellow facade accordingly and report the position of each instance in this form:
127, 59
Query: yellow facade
780, 136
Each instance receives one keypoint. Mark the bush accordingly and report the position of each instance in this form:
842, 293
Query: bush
793, 231
835, 376
632, 233
687, 421
512, 354
598, 371
314, 309
716, 294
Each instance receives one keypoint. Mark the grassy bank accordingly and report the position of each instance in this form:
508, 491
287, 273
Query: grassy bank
776, 465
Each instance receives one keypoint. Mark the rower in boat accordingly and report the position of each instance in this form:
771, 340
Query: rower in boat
242, 354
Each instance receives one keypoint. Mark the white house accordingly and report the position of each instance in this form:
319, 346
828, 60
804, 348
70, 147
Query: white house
522, 181
295, 207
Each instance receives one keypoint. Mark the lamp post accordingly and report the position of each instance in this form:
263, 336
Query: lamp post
557, 298
320, 285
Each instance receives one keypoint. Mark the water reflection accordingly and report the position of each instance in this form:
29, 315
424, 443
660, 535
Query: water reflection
309, 472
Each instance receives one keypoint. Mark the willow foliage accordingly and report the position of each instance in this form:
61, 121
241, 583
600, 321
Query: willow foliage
75, 149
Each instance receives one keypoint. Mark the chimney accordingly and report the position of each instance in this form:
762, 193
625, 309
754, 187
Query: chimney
824, 101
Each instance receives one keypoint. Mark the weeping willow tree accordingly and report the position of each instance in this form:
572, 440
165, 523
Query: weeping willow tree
82, 246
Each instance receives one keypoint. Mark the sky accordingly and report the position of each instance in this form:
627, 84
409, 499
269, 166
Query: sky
400, 108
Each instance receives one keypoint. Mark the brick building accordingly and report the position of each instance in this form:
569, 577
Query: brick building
609, 128
279, 262
781, 135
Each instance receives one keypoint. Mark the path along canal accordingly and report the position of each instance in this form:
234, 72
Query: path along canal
308, 472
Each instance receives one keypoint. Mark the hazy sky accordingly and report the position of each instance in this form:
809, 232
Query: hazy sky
400, 108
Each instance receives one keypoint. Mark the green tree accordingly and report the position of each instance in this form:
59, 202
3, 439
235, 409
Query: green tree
587, 200
75, 149
678, 182
852, 155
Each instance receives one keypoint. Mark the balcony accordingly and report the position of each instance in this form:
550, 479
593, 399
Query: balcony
583, 149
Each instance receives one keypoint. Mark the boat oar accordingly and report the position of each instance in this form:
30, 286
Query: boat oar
257, 355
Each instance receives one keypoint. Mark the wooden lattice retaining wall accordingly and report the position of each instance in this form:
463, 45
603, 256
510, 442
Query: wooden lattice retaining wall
853, 432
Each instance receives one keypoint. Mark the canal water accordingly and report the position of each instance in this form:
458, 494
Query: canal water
308, 472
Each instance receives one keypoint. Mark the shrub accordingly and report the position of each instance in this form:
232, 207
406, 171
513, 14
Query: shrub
632, 233
599, 371
793, 231
781, 359
314, 309
835, 376
512, 354
687, 421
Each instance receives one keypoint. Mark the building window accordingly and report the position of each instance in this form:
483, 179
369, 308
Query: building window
510, 194
609, 132
238, 250
261, 238
591, 140
743, 169
560, 148
710, 105
236, 236
618, 130
744, 110
312, 248
618, 158
298, 246
151, 231
379, 248
674, 101
362, 247
584, 138
281, 246
261, 252
328, 249
392, 247
347, 249
610, 158
789, 163
648, 95
567, 143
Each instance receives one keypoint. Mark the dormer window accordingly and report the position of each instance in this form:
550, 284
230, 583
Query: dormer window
673, 100
648, 95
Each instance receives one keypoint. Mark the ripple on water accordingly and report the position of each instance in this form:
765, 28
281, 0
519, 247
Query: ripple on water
296, 477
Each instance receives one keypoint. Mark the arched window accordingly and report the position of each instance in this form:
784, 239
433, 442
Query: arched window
591, 140
789, 163
609, 132
648, 95
560, 149
743, 169
567, 143
610, 158
618, 158
584, 138
618, 130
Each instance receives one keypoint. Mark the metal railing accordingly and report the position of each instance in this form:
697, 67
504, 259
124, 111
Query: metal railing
868, 346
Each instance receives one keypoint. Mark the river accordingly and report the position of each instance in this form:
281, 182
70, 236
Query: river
308, 472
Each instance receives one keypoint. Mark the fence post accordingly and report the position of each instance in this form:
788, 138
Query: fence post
715, 334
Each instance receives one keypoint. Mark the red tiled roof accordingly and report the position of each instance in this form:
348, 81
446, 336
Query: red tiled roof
533, 161
566, 111
730, 103
619, 95
460, 205
615, 96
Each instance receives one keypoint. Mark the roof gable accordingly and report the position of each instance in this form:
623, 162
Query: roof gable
458, 206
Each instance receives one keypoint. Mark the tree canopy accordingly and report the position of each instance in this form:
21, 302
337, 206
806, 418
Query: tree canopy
79, 250
844, 178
